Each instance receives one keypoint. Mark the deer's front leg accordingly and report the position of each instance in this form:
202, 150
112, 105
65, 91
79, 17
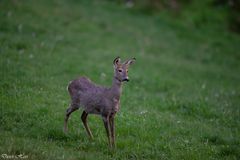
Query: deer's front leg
107, 127
112, 130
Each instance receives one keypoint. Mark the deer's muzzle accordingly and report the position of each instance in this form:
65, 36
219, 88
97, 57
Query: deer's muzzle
125, 79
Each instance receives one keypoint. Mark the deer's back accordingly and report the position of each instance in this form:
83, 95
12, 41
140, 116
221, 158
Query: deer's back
85, 90
94, 98
82, 84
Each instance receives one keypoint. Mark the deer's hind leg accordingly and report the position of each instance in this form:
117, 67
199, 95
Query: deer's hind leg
73, 107
84, 120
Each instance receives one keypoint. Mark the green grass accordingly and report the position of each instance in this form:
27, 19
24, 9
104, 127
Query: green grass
183, 100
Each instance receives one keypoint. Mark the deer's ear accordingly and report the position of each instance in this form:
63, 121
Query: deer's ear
130, 61
117, 61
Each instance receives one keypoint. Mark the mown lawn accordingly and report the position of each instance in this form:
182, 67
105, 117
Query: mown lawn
182, 101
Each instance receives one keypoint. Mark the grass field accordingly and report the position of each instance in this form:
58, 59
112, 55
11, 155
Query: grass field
182, 101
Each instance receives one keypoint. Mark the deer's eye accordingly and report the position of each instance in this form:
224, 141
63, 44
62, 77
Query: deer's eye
119, 70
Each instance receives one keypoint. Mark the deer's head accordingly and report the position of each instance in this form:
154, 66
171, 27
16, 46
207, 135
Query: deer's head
121, 69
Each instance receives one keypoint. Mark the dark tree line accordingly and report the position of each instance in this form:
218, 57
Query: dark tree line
233, 12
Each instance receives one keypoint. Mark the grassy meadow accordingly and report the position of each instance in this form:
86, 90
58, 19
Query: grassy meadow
182, 101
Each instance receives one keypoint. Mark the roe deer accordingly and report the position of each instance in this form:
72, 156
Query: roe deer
99, 100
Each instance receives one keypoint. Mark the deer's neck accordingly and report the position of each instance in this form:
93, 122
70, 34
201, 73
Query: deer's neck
116, 88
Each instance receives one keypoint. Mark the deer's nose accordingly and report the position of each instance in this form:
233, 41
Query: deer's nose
126, 79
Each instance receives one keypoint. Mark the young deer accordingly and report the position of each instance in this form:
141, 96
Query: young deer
99, 100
